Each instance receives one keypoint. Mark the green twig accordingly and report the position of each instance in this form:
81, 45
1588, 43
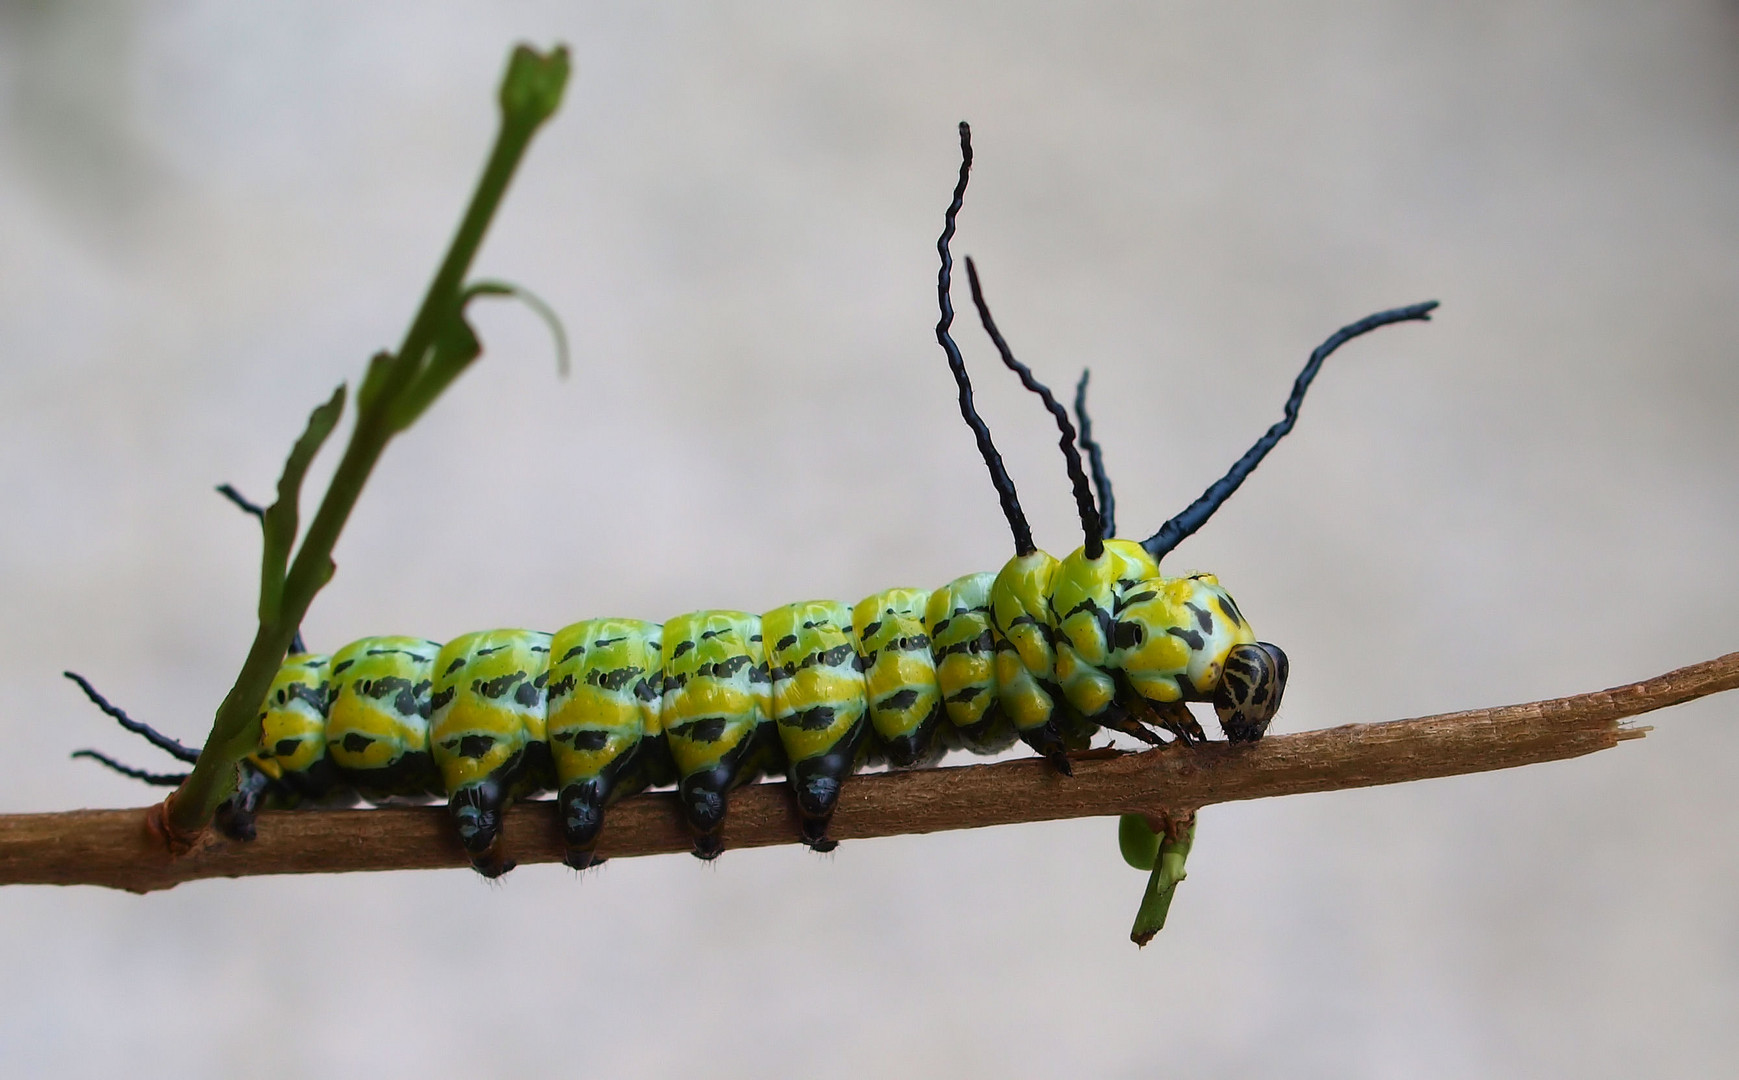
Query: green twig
395, 390
1168, 870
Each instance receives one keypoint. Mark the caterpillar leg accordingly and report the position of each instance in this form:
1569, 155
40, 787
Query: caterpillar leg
717, 695
1249, 692
819, 704
487, 733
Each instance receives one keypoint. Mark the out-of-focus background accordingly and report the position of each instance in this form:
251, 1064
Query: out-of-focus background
211, 214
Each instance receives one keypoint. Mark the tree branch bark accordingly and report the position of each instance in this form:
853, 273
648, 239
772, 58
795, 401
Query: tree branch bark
115, 848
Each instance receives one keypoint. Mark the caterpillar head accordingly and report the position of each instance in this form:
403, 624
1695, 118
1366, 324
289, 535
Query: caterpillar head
1248, 694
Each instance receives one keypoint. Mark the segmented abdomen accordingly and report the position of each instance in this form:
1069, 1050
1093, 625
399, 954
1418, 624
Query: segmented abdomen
713, 699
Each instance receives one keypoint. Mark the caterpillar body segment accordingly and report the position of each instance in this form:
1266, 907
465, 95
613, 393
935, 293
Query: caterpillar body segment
487, 732
963, 644
818, 702
716, 715
377, 718
605, 725
901, 688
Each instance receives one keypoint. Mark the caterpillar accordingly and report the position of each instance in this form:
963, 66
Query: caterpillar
1046, 651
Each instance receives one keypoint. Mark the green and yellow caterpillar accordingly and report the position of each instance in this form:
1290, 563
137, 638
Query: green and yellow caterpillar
1048, 651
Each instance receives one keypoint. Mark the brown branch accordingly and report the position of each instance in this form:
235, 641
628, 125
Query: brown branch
116, 849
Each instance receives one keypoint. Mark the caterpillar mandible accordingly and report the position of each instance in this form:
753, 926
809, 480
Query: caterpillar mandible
1047, 651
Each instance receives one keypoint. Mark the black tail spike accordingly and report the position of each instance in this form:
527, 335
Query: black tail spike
1090, 528
1017, 523
152, 735
1173, 532
248, 506
1096, 458
154, 779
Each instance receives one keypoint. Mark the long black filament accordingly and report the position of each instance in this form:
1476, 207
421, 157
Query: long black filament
151, 734
156, 779
1096, 458
1173, 532
1017, 523
248, 506
1090, 527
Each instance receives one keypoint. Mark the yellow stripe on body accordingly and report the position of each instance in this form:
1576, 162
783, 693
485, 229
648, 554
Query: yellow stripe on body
378, 717
293, 718
817, 690
900, 680
487, 706
1086, 595
1025, 657
957, 619
715, 693
604, 694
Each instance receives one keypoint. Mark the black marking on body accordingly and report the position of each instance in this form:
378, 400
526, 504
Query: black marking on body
727, 668
814, 718
458, 662
785, 643
441, 698
473, 746
498, 686
588, 739
1118, 604
1203, 619
356, 742
571, 653
339, 668
286, 747
707, 729
564, 686
529, 694
1190, 637
899, 699
614, 680
870, 630
682, 646
967, 695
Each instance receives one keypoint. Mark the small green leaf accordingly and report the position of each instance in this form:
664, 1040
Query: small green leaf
282, 517
531, 300
532, 89
1139, 843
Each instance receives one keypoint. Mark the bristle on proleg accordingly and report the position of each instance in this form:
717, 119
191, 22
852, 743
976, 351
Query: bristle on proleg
999, 478
1096, 458
1090, 526
1173, 532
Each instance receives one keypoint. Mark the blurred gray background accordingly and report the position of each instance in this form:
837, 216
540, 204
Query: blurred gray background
210, 214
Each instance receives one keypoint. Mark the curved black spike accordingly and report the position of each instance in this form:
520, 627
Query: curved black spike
1096, 458
1173, 532
1017, 524
155, 779
1090, 528
248, 506
152, 735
